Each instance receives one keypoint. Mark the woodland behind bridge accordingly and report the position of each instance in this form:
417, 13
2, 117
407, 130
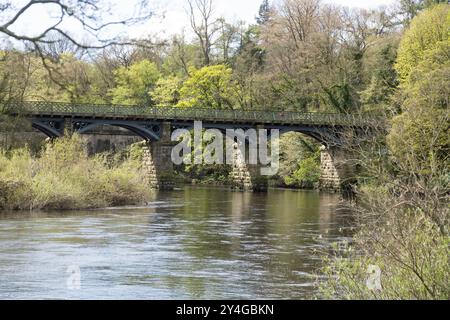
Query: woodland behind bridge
300, 55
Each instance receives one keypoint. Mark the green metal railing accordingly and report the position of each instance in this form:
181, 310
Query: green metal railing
43, 108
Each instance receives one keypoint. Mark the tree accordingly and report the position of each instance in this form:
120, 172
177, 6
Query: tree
307, 175
383, 81
209, 87
109, 60
74, 80
404, 216
341, 97
264, 13
425, 33
409, 9
420, 134
300, 18
206, 29
314, 54
56, 37
227, 39
167, 91
248, 63
16, 70
58, 46
299, 160
181, 56
84, 13
135, 83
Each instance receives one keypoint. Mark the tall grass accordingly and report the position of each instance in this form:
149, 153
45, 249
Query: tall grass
62, 176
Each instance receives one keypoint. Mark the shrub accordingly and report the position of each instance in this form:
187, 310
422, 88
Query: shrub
64, 177
307, 175
410, 251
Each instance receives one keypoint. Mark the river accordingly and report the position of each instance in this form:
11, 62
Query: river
194, 243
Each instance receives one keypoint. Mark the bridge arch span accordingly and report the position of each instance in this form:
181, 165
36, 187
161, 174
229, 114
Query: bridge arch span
54, 128
49, 132
326, 136
149, 131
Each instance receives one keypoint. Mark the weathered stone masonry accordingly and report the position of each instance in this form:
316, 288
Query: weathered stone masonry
157, 161
337, 169
246, 177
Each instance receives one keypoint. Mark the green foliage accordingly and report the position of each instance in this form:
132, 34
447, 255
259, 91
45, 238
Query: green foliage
383, 78
427, 81
309, 171
136, 151
403, 229
403, 214
167, 91
209, 87
299, 161
409, 249
135, 83
13, 79
427, 30
420, 134
214, 174
410, 8
307, 175
207, 174
63, 177
341, 98
181, 57
78, 80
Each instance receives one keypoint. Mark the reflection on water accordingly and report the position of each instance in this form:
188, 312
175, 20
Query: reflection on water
197, 243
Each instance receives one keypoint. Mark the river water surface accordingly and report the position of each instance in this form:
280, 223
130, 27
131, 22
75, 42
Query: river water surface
194, 243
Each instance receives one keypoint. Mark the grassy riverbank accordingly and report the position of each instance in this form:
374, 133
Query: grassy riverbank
62, 176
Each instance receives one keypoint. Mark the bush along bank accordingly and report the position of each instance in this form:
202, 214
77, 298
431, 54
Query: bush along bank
62, 176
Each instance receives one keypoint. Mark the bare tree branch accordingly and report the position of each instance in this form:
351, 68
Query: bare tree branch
207, 28
88, 13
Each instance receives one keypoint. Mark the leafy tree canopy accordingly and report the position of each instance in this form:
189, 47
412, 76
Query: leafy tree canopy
209, 87
426, 32
135, 83
167, 91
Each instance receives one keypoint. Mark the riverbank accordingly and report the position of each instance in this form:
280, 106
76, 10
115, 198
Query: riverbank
225, 182
63, 177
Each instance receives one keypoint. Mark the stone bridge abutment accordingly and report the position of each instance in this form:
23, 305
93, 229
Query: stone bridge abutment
338, 169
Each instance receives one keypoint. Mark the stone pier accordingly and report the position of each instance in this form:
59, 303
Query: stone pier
157, 161
337, 170
246, 177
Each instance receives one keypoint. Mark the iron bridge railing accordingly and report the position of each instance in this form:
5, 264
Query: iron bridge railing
43, 108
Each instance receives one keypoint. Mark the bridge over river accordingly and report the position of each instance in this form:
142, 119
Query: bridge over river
155, 125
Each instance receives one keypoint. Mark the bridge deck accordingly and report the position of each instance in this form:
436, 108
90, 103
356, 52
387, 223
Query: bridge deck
56, 109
